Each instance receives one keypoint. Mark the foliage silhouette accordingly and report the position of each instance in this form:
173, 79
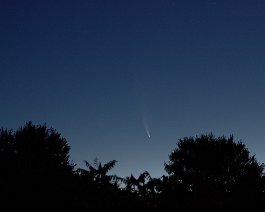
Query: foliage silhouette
214, 173
204, 173
35, 162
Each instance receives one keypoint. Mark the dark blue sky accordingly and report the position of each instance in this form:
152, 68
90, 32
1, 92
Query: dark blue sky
99, 70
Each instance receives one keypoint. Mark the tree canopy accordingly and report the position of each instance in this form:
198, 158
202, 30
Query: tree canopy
204, 173
210, 168
34, 162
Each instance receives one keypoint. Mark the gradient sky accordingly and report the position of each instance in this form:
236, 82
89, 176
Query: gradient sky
101, 72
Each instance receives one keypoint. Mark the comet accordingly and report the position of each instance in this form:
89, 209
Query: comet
146, 127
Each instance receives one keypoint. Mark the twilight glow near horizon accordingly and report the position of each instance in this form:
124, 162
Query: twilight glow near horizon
124, 80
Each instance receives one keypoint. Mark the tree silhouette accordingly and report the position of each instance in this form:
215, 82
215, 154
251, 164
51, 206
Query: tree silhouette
97, 174
99, 189
142, 186
214, 173
36, 167
205, 173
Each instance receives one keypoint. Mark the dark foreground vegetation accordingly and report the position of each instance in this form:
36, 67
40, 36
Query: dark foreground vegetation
205, 173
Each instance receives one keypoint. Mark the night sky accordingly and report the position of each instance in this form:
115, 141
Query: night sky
107, 74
